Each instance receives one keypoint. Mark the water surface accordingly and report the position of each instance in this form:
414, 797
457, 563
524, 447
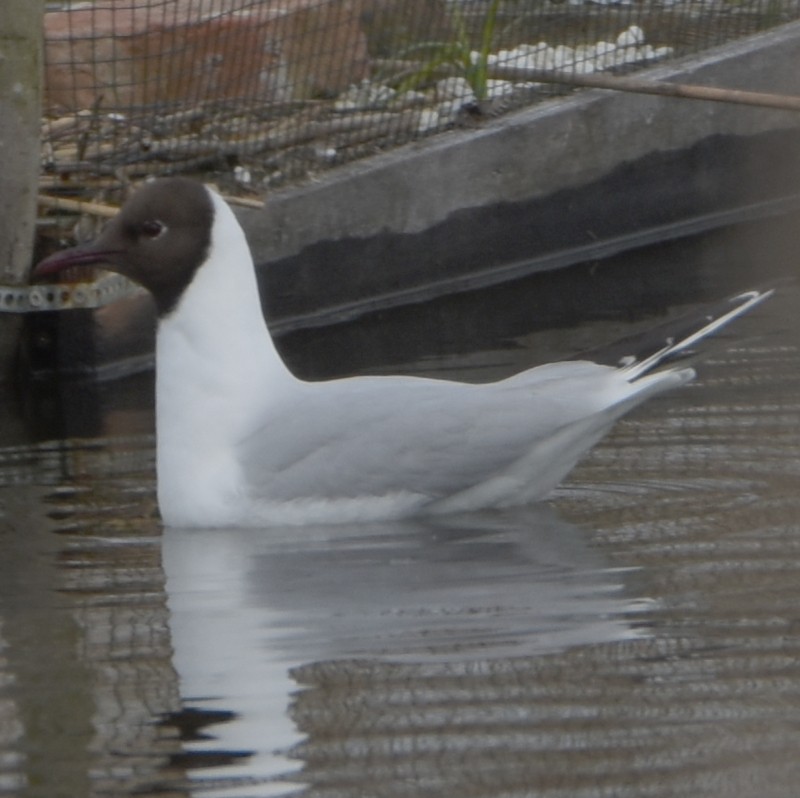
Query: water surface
637, 635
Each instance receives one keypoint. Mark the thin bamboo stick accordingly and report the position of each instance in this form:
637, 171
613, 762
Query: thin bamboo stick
786, 102
77, 206
109, 211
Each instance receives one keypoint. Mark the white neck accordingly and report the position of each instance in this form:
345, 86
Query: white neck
217, 370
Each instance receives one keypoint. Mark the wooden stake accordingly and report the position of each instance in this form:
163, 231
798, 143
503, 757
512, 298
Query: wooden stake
21, 76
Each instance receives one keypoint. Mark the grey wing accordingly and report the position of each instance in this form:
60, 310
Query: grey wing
375, 436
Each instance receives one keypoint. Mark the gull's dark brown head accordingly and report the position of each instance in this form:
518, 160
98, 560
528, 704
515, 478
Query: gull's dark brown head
159, 239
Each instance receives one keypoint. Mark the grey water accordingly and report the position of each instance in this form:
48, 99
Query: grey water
636, 635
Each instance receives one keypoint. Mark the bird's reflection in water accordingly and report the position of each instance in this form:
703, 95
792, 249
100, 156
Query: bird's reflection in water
257, 613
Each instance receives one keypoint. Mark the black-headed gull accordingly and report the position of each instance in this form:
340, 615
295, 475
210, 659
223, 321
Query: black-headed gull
241, 441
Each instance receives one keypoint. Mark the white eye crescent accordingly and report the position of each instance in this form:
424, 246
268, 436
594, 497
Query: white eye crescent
152, 228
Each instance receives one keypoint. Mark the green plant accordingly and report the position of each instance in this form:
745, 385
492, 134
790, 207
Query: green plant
457, 55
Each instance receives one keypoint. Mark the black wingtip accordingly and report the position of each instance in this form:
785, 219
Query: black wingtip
675, 339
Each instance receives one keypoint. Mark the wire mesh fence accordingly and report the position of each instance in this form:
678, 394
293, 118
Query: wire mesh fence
264, 93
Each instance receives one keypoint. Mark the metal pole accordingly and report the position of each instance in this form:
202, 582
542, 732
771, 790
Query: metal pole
20, 118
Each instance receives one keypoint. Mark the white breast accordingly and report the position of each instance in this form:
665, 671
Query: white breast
217, 374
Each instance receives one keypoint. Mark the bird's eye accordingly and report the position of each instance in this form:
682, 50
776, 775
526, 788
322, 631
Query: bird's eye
152, 228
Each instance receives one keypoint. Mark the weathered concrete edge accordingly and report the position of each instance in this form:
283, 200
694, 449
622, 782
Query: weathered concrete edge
558, 144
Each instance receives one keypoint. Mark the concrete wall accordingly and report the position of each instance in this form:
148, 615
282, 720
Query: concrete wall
559, 144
